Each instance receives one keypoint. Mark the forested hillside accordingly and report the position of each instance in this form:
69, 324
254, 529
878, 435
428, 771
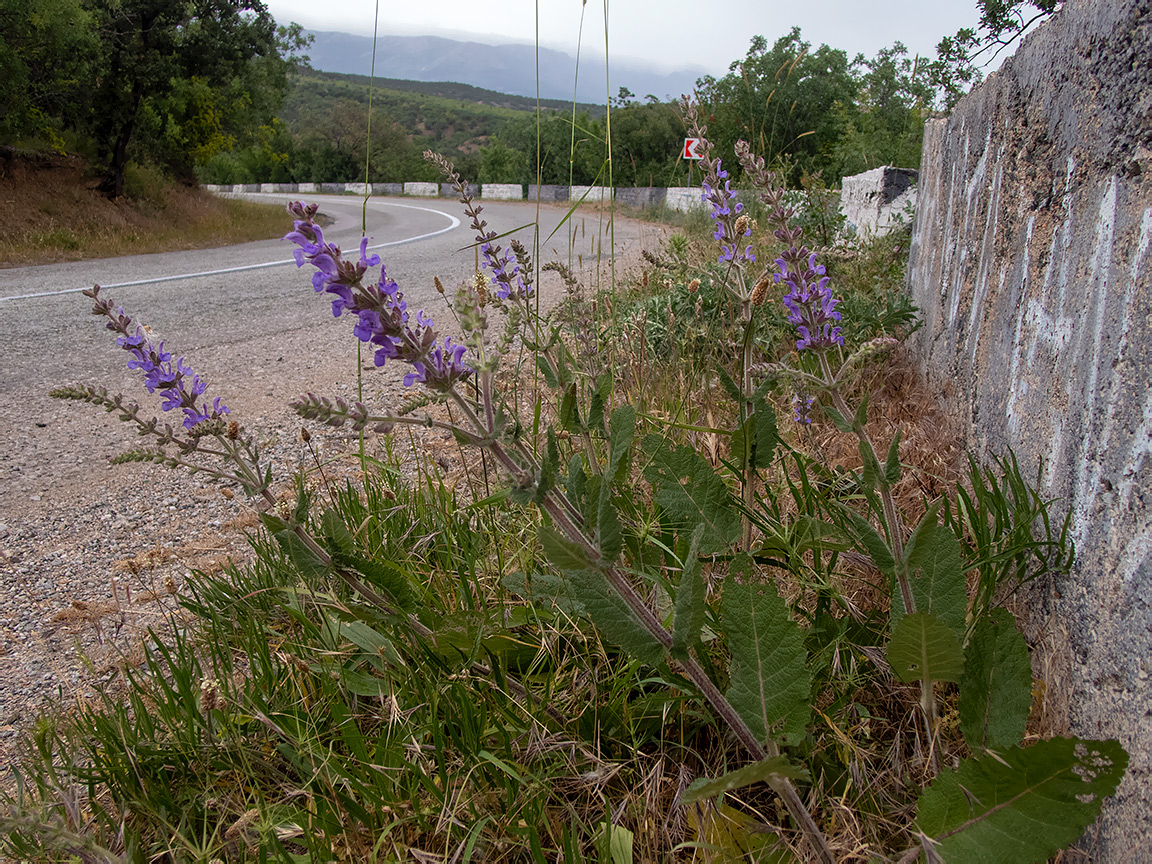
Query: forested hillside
165, 82
213, 90
811, 109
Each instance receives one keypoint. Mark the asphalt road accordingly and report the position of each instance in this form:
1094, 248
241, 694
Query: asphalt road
249, 322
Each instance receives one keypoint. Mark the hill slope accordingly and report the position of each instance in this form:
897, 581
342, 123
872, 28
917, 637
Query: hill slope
504, 68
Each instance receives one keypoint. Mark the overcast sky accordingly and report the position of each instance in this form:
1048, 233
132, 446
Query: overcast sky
671, 34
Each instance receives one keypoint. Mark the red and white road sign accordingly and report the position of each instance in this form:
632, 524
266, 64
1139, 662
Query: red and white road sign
693, 148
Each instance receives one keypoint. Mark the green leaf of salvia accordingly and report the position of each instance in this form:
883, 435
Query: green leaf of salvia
756, 437
892, 465
769, 680
861, 532
838, 419
996, 690
1020, 805
923, 648
561, 552
870, 471
936, 569
613, 618
861, 418
569, 413
768, 770
689, 600
691, 493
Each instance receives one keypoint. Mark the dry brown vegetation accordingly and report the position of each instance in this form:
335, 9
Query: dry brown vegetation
55, 213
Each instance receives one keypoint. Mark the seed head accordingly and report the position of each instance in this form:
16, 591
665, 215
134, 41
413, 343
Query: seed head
233, 430
209, 695
742, 224
693, 286
439, 285
760, 291
480, 282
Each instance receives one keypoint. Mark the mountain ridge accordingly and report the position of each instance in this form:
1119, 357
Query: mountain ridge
509, 68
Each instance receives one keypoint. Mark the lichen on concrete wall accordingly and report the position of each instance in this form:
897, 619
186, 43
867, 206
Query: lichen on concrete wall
1031, 263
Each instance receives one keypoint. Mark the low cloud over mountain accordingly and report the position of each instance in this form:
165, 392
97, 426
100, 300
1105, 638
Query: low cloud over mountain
505, 68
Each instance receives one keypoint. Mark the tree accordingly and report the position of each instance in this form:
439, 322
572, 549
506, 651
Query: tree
1002, 22
153, 53
46, 52
780, 100
885, 123
567, 152
646, 143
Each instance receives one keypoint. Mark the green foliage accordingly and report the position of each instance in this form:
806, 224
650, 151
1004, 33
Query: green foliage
820, 109
757, 772
996, 690
688, 599
1021, 804
769, 682
884, 124
1008, 535
933, 561
780, 99
924, 648
1002, 22
155, 61
46, 57
691, 493
171, 83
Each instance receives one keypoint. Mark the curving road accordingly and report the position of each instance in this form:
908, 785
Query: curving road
244, 316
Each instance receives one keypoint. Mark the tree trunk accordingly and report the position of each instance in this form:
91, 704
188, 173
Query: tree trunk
113, 183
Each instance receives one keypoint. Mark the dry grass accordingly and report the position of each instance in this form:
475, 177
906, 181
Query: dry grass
57, 214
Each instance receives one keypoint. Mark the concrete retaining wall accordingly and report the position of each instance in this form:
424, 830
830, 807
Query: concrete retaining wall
502, 191
683, 198
547, 193
424, 190
590, 194
641, 197
877, 200
448, 190
1031, 263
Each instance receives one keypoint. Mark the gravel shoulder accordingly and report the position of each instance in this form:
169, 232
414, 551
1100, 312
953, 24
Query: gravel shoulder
92, 553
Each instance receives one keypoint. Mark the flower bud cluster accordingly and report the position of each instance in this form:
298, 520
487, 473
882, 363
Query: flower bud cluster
811, 306
178, 386
507, 271
382, 313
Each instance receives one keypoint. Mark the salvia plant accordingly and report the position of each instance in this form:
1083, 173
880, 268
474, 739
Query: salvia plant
716, 579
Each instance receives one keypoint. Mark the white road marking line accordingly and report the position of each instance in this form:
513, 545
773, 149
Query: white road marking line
153, 280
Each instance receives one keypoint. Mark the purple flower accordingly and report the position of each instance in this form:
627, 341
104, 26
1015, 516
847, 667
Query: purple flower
178, 386
504, 269
811, 306
802, 407
729, 226
382, 317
